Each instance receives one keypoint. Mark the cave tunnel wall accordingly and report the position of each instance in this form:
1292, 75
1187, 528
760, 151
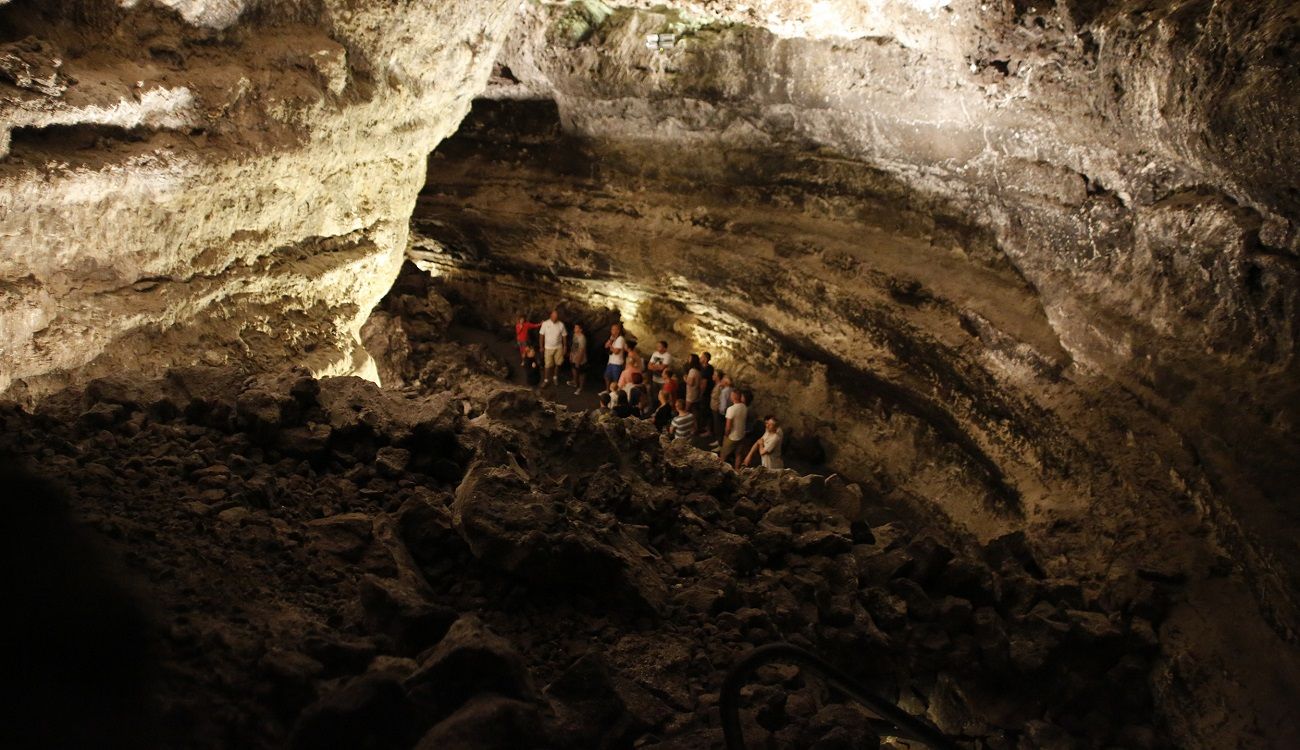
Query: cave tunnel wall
223, 182
1029, 266
1072, 242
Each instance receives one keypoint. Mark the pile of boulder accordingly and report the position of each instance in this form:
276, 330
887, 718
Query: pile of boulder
331, 564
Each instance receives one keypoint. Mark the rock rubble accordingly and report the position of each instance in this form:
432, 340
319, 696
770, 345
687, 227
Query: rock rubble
335, 565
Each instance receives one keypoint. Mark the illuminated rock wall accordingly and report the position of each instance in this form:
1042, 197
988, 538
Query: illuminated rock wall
215, 181
1085, 206
1032, 265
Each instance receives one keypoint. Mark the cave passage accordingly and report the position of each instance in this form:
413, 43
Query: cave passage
1018, 282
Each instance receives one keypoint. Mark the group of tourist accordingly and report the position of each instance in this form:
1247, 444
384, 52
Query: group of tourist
696, 399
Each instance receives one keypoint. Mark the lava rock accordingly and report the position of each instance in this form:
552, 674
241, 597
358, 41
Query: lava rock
470, 659
597, 707
1013, 550
402, 614
392, 462
346, 535
370, 711
100, 415
929, 558
486, 722
555, 542
307, 441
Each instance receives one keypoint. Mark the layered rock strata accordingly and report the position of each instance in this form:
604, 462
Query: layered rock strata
1051, 248
190, 182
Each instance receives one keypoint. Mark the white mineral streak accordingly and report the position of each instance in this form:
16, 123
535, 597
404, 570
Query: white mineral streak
215, 14
159, 108
250, 204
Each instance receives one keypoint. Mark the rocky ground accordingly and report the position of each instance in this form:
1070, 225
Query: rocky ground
460, 564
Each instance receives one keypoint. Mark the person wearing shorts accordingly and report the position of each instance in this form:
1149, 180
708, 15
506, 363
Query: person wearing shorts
554, 336
617, 348
735, 429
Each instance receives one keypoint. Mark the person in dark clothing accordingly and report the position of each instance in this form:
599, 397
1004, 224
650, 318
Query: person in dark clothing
634, 402
663, 416
706, 392
532, 368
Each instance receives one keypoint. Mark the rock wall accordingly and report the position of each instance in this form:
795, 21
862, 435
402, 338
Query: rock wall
1061, 235
1032, 265
186, 181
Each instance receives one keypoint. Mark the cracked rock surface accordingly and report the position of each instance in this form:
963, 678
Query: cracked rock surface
185, 182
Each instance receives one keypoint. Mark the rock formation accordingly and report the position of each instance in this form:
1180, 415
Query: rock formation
330, 564
1009, 229
1023, 274
189, 181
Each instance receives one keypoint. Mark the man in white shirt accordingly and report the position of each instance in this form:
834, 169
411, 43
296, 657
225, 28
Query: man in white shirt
735, 433
768, 446
554, 336
659, 361
617, 347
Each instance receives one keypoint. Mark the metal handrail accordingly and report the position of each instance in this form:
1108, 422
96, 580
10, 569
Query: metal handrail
896, 721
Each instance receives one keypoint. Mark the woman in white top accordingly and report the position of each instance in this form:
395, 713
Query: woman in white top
768, 446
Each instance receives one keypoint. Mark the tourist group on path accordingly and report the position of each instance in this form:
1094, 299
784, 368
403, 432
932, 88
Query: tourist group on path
701, 401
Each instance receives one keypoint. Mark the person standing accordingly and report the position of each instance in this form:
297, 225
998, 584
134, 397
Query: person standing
718, 406
578, 358
617, 348
532, 370
660, 361
522, 327
683, 423
735, 429
706, 391
634, 364
768, 446
554, 339
693, 383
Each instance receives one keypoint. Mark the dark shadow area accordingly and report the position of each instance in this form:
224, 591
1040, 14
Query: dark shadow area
81, 665
62, 139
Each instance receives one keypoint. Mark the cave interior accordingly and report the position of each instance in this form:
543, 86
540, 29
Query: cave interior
1017, 280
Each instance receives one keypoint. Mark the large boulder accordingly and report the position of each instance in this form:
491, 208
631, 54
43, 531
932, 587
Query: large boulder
371, 710
353, 405
486, 722
469, 660
552, 539
597, 706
